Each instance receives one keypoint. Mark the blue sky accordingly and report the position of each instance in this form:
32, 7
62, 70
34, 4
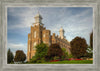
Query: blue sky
76, 21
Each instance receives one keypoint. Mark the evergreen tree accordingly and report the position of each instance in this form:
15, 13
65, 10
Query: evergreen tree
9, 56
91, 40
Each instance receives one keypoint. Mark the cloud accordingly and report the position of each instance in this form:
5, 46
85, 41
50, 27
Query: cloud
12, 45
17, 46
75, 21
26, 17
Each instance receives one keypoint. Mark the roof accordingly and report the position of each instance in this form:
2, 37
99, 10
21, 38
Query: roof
38, 15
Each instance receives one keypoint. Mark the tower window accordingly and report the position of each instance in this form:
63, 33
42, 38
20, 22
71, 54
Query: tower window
35, 34
44, 35
34, 44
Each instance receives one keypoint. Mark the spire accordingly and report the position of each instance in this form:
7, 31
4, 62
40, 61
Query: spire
61, 33
38, 19
61, 29
38, 15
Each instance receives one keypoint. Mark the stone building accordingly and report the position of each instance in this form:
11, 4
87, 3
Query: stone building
40, 34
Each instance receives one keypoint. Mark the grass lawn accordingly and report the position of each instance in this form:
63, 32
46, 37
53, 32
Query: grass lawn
68, 62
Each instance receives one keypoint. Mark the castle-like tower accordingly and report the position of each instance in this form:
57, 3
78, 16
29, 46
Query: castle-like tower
61, 33
40, 34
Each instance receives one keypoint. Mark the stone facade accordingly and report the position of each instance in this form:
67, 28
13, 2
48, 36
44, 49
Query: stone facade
40, 34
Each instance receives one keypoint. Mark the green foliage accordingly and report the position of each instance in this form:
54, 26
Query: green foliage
56, 57
71, 62
20, 56
89, 49
54, 50
41, 50
37, 60
41, 53
33, 60
9, 56
64, 49
42, 60
89, 53
70, 56
65, 54
78, 47
68, 62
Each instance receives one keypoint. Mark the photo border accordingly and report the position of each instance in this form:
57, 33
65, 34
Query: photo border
25, 3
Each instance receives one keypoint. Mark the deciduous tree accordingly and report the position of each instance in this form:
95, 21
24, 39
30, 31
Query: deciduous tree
41, 50
78, 47
41, 53
20, 56
55, 50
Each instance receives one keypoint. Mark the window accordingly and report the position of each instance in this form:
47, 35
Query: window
35, 34
34, 44
44, 35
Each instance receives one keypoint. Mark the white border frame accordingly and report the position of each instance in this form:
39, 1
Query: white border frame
51, 66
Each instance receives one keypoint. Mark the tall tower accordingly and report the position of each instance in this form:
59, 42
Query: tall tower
61, 33
38, 20
35, 36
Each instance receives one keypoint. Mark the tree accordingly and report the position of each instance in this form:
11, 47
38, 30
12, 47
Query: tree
55, 50
41, 50
20, 56
89, 53
91, 40
65, 53
78, 47
90, 47
41, 53
9, 56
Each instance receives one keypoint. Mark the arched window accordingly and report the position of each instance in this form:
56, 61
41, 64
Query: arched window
35, 34
44, 35
34, 44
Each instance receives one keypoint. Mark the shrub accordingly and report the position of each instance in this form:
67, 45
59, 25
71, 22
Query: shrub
56, 58
70, 56
33, 60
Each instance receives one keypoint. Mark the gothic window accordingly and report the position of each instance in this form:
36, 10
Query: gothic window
44, 35
34, 44
35, 34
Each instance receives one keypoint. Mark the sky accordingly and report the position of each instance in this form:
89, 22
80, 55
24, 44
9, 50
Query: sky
76, 21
